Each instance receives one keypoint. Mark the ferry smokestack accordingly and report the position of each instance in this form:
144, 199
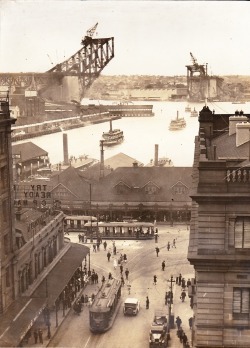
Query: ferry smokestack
102, 160
156, 155
65, 149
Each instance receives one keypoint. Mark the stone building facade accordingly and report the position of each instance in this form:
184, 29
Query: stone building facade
219, 243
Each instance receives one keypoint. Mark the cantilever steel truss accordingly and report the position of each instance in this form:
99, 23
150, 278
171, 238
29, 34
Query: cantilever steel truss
89, 61
86, 64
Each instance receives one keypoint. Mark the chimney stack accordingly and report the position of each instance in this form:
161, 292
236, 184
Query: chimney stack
65, 149
101, 160
242, 133
156, 155
233, 120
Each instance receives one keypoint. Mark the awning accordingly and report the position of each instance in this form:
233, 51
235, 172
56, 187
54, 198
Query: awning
18, 320
22, 313
52, 286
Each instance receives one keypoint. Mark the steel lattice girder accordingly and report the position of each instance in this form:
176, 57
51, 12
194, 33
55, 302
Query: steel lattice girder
87, 64
89, 61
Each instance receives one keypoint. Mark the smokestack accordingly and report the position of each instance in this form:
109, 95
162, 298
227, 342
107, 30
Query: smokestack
65, 149
102, 160
156, 155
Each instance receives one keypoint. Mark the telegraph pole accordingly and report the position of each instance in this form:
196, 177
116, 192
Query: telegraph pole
170, 300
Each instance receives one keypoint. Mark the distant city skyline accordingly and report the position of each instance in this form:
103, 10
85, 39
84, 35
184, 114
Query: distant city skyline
151, 37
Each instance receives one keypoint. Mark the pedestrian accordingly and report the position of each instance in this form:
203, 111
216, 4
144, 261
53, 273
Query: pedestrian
156, 237
190, 322
168, 246
183, 296
103, 279
114, 250
184, 339
122, 281
125, 258
115, 264
178, 322
180, 333
86, 299
94, 248
188, 282
174, 246
179, 280
183, 283
155, 280
110, 276
121, 268
35, 334
163, 265
126, 273
108, 256
105, 245
157, 251
166, 298
147, 302
40, 335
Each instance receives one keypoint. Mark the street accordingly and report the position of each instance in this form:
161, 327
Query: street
143, 264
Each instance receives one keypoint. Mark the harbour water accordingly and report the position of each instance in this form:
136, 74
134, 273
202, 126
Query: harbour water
140, 135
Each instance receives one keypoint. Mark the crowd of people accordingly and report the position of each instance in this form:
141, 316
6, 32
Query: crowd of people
180, 332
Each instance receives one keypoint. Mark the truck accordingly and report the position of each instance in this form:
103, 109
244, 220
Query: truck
159, 330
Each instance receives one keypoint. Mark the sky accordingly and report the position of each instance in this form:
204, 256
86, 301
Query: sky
151, 37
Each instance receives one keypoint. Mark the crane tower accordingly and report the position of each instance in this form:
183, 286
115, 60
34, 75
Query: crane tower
199, 84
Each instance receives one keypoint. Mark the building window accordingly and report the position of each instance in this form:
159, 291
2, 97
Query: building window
242, 233
179, 190
241, 303
150, 189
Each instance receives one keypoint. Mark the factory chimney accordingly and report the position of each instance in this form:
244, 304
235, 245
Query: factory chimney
65, 149
101, 160
156, 155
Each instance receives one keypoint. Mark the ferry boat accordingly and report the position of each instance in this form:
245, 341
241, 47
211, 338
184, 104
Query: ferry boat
188, 108
194, 113
178, 123
113, 136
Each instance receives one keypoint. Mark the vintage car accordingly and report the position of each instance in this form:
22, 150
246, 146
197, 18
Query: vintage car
131, 306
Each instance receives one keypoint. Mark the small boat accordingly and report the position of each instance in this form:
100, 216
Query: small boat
178, 123
113, 136
188, 108
194, 113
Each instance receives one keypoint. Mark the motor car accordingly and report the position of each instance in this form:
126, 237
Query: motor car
131, 306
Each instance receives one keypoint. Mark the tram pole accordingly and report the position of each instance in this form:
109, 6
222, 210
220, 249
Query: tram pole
90, 203
170, 300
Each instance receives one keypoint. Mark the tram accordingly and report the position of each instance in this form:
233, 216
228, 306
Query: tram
121, 230
75, 223
105, 306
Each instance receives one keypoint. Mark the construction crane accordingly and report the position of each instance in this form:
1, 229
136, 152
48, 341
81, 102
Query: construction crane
196, 67
90, 33
194, 60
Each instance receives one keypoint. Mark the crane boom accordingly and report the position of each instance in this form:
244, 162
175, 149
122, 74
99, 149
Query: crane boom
91, 31
194, 60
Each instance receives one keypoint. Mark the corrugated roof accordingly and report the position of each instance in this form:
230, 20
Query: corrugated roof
28, 151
